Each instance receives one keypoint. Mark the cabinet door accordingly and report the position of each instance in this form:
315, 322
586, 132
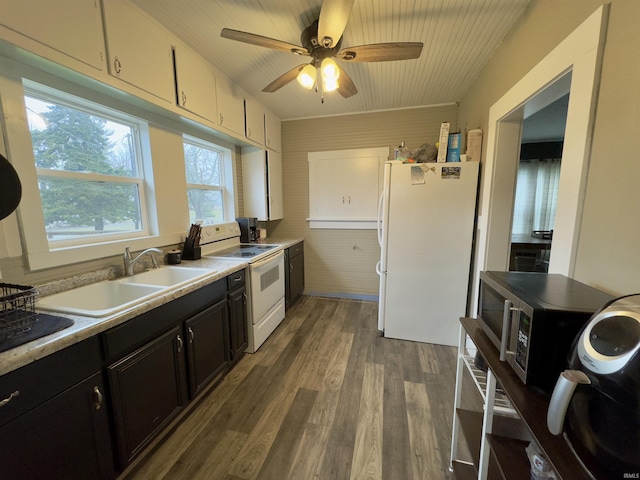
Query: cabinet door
273, 132
230, 102
66, 437
148, 389
238, 323
274, 175
254, 120
139, 50
344, 187
254, 183
196, 84
207, 346
79, 35
296, 277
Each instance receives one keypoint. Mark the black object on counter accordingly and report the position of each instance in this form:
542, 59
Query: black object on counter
191, 249
10, 188
44, 325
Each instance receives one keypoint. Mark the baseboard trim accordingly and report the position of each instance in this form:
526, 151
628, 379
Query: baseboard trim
349, 296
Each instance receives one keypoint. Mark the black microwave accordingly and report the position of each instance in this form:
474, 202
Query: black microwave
533, 318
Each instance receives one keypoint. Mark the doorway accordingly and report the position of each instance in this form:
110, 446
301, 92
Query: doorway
537, 183
572, 67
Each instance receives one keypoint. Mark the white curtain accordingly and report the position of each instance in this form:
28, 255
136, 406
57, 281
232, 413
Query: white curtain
536, 195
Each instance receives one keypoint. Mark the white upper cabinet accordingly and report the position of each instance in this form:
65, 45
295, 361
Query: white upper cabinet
72, 27
196, 83
273, 131
262, 184
230, 101
345, 187
139, 50
254, 120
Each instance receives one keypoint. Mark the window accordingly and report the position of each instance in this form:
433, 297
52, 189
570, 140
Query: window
204, 166
536, 195
88, 168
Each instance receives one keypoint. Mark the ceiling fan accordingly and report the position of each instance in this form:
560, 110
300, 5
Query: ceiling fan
321, 41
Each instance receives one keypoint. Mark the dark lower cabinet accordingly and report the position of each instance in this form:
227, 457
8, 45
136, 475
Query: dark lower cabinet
62, 416
294, 273
66, 437
238, 323
148, 389
207, 345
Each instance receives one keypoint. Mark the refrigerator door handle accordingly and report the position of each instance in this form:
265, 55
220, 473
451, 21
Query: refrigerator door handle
378, 271
379, 223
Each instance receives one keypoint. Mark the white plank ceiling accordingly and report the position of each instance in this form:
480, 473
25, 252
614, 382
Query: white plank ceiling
459, 37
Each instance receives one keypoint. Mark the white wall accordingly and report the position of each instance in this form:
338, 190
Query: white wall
607, 255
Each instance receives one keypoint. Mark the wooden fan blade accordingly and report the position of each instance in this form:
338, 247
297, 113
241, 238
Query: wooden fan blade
346, 87
282, 80
261, 41
334, 16
381, 52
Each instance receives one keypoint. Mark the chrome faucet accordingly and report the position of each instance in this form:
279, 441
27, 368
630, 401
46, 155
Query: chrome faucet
129, 262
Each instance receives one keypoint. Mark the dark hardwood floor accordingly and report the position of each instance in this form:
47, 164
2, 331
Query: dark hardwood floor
324, 398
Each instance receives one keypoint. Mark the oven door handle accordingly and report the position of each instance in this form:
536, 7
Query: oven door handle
266, 260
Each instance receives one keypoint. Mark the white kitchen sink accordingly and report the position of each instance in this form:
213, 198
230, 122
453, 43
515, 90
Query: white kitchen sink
99, 299
108, 297
169, 276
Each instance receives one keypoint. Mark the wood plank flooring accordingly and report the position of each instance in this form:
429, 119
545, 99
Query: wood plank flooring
324, 398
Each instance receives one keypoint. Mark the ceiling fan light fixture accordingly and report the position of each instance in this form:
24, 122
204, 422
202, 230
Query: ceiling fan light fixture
329, 85
330, 70
307, 77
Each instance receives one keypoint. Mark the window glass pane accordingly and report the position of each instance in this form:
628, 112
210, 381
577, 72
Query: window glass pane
203, 165
79, 209
205, 205
72, 140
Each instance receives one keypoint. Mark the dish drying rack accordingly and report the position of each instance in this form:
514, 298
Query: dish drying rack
17, 309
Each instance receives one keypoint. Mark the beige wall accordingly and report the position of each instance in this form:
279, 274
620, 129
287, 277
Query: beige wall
608, 255
343, 261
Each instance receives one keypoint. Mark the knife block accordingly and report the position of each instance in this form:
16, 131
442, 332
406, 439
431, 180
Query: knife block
190, 252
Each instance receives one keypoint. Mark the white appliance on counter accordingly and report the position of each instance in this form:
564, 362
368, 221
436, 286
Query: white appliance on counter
425, 229
265, 279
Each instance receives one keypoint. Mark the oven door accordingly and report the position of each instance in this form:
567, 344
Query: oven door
267, 284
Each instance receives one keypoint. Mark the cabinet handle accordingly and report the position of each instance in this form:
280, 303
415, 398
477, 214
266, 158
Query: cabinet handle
97, 398
221, 119
191, 334
244, 296
291, 267
184, 98
9, 398
249, 132
117, 66
237, 279
180, 343
343, 199
349, 199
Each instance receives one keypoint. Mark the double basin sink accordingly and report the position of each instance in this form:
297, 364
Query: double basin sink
112, 296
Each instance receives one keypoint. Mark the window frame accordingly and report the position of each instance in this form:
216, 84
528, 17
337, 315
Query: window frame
227, 188
57, 97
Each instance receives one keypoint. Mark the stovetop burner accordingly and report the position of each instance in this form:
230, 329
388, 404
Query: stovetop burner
244, 250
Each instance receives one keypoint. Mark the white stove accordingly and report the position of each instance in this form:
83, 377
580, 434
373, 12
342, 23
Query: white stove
265, 279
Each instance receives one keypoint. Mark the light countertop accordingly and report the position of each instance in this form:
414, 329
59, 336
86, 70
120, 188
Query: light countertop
86, 327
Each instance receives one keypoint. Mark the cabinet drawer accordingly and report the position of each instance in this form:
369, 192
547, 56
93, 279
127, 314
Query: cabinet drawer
235, 280
45, 378
296, 249
129, 336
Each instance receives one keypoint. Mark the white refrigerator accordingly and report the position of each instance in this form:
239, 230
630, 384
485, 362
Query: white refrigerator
426, 220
